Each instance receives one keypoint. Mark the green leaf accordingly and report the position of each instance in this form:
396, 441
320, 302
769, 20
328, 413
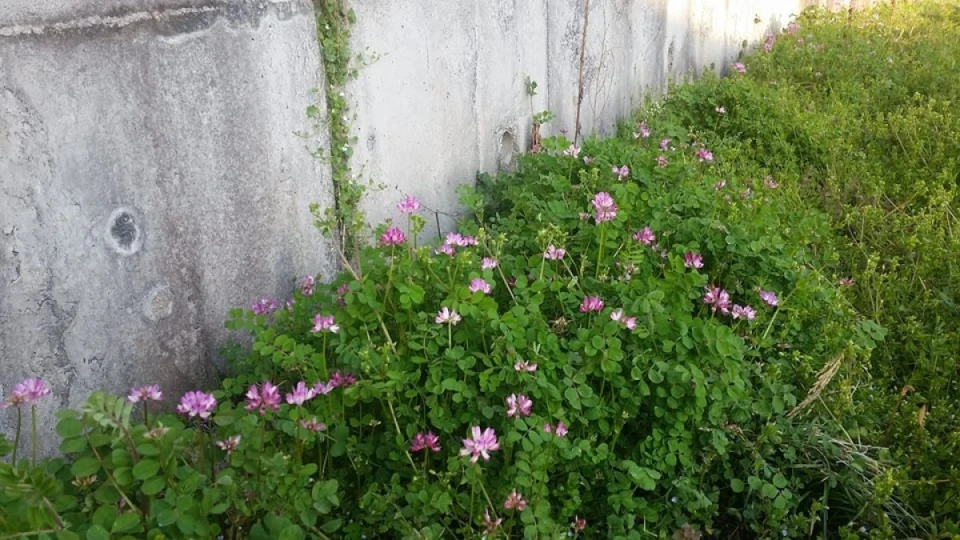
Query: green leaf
69, 427
85, 466
153, 485
165, 518
737, 485
146, 468
97, 532
126, 522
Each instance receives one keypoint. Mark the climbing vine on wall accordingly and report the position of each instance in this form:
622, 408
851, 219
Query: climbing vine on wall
334, 23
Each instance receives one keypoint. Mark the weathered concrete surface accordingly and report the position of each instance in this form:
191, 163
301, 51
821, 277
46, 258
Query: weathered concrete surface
150, 179
449, 81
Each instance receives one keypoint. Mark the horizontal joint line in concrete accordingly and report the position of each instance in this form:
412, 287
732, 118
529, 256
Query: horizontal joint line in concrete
108, 21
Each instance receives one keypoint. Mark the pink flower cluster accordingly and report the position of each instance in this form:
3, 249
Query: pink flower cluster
692, 260
145, 393
560, 430
622, 172
642, 131
515, 501
447, 316
265, 306
523, 365
324, 323
605, 209
519, 405
455, 240
645, 236
479, 285
719, 300
408, 205
554, 253
393, 236
591, 303
572, 151
617, 316
198, 404
480, 444
425, 441
27, 392
704, 155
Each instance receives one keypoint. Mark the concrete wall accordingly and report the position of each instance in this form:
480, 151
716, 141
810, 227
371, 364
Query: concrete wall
446, 96
150, 180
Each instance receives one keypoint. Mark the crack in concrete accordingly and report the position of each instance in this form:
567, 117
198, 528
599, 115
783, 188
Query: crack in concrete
115, 22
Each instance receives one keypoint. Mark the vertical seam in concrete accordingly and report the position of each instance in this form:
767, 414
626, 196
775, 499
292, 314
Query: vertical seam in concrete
546, 48
476, 86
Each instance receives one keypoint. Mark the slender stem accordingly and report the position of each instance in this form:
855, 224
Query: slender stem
323, 365
33, 426
386, 291
603, 240
16, 438
263, 429
449, 335
396, 426
146, 414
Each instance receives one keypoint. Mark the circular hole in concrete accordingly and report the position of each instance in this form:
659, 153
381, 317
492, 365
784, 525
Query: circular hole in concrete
123, 232
507, 151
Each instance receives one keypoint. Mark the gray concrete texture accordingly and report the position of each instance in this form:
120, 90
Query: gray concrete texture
445, 93
151, 178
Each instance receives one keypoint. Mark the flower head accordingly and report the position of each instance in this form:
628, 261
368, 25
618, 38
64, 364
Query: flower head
591, 303
338, 379
692, 260
446, 316
479, 285
392, 237
425, 441
662, 161
342, 294
523, 365
704, 155
721, 109
446, 249
793, 27
769, 42
312, 424
265, 306
480, 444
518, 404
770, 182
490, 525
324, 323
515, 501
267, 396
717, 299
605, 209
720, 185
301, 394
572, 151
579, 524
145, 393
642, 131
665, 144
587, 160
740, 67
459, 240
554, 253
846, 282
197, 404
743, 312
27, 392
769, 297
560, 430
645, 236
229, 444
488, 264
619, 317
306, 285
622, 172
408, 205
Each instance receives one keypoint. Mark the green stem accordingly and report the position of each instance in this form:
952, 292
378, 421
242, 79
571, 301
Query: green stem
16, 438
323, 365
603, 239
386, 291
449, 335
263, 435
33, 426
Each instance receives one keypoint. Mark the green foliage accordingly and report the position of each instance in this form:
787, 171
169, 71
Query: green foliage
858, 115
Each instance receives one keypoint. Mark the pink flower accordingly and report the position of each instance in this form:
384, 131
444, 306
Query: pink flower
704, 155
846, 282
740, 67
445, 316
145, 393
770, 41
770, 182
721, 110
306, 285
560, 430
479, 285
229, 444
665, 144
515, 501
313, 425
490, 525
342, 380
630, 323
265, 306
717, 299
518, 405
197, 404
446, 249
301, 394
263, 398
692, 260
618, 316
793, 27
342, 294
324, 323
459, 240
745, 194
604, 206
321, 388
480, 445
554, 253
408, 205
572, 151
488, 264
769, 297
425, 441
392, 237
591, 303
720, 185
26, 392
622, 172
579, 524
524, 365
662, 161
743, 312
642, 131
587, 160
645, 236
